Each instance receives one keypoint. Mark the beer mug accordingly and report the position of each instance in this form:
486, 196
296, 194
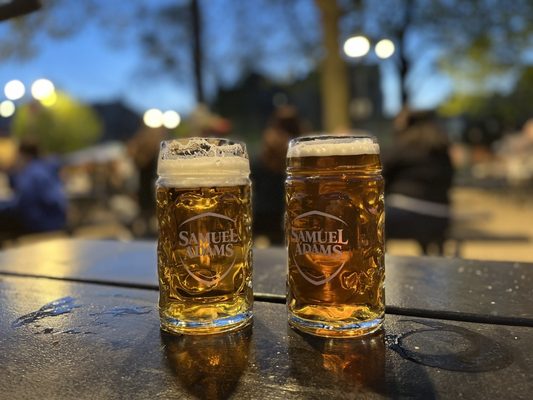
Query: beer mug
334, 233
204, 251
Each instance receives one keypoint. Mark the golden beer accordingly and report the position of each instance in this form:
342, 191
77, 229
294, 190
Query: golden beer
334, 234
204, 247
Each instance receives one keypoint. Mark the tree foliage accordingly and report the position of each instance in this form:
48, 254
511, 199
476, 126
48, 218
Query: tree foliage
276, 38
64, 127
57, 19
511, 110
472, 41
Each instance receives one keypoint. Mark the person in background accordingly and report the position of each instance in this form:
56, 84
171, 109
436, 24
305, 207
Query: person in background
205, 123
418, 175
39, 203
143, 148
268, 173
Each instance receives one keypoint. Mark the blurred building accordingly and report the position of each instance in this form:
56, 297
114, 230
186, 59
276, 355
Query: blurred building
365, 92
119, 122
250, 103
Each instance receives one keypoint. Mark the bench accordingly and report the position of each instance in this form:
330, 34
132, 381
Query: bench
459, 235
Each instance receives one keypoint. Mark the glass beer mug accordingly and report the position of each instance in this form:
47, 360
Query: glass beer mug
335, 238
204, 250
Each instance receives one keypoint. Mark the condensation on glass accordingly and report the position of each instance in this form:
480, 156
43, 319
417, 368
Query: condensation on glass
204, 249
334, 233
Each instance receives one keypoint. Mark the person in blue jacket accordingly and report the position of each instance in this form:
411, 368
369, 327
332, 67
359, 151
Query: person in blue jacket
39, 202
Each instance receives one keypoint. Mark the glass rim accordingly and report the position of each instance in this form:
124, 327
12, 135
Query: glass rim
202, 147
208, 139
202, 161
333, 145
328, 136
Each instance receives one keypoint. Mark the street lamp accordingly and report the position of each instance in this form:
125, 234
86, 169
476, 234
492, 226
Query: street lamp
41, 89
364, 92
7, 108
171, 119
356, 46
384, 48
359, 46
153, 118
14, 89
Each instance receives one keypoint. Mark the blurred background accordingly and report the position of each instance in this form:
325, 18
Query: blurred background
88, 89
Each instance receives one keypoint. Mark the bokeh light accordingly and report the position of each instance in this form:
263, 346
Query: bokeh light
42, 88
171, 119
356, 46
153, 118
7, 108
50, 100
14, 89
385, 48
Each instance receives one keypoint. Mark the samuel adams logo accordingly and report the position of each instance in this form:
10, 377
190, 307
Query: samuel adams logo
318, 245
199, 247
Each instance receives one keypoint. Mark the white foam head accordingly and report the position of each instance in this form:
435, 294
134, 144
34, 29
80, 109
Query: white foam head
203, 162
319, 146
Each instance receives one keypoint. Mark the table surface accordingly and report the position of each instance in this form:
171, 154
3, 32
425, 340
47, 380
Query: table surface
78, 319
448, 288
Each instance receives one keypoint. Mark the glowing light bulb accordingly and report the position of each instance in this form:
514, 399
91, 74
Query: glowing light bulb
356, 46
385, 48
171, 119
14, 89
7, 108
153, 118
42, 88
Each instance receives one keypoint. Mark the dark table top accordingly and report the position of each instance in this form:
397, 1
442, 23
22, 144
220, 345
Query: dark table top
449, 288
78, 319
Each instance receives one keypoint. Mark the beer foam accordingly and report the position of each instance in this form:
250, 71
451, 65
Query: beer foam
333, 146
201, 163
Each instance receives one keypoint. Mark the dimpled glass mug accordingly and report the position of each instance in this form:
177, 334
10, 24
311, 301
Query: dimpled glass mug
205, 244
334, 226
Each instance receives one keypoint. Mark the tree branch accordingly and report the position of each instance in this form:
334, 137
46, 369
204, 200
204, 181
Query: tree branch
16, 8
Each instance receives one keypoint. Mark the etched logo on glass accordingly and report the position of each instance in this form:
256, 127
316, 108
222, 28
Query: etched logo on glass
199, 247
319, 246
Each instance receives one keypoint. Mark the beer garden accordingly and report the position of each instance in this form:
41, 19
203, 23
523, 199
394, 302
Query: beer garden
79, 313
